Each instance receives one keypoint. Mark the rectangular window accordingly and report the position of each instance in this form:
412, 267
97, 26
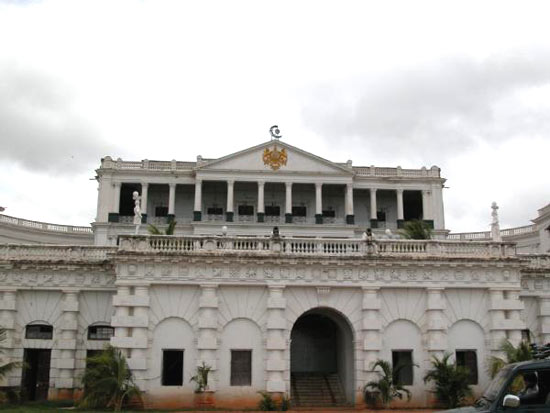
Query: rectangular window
402, 367
381, 215
272, 211
39, 331
172, 367
329, 213
468, 359
214, 211
246, 210
241, 367
526, 335
161, 211
100, 332
298, 211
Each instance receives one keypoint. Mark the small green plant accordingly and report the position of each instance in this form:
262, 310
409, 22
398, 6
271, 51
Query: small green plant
285, 404
267, 404
512, 354
385, 389
201, 378
154, 230
107, 381
416, 229
451, 386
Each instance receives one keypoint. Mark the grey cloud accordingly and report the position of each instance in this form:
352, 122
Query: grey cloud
432, 112
38, 126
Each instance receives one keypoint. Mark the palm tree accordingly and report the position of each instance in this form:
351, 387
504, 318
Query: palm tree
6, 368
153, 229
416, 229
451, 381
108, 381
512, 355
385, 388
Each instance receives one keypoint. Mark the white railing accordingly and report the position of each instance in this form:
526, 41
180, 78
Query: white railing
314, 247
486, 235
6, 219
54, 252
383, 171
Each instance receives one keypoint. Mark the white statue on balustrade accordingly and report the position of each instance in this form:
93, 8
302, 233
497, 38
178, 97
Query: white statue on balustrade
137, 210
495, 226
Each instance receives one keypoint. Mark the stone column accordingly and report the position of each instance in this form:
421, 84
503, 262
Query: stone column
67, 345
8, 311
115, 214
208, 331
276, 342
140, 333
288, 199
400, 210
436, 336
144, 193
318, 203
197, 212
171, 202
261, 206
372, 339
229, 209
373, 209
350, 218
427, 208
544, 318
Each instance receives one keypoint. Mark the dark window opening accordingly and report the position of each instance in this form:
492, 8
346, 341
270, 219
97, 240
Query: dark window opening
402, 367
39, 331
526, 335
381, 215
127, 202
100, 332
299, 211
161, 211
172, 367
412, 205
330, 213
246, 210
241, 367
468, 359
214, 211
272, 211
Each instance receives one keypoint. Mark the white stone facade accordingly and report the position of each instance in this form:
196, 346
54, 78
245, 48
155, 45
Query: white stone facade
208, 295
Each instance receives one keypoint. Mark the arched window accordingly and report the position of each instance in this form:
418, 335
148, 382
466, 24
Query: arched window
39, 331
100, 332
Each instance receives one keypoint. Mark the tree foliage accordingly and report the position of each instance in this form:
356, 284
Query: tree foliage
154, 230
385, 388
107, 381
6, 368
451, 386
512, 354
416, 229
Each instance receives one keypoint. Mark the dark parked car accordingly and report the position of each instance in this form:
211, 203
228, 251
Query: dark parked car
518, 388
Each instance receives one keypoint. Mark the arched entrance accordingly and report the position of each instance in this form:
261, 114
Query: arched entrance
321, 359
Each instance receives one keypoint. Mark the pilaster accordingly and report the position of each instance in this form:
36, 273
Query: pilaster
436, 328
7, 321
505, 315
276, 340
372, 338
115, 213
544, 319
67, 344
140, 331
208, 331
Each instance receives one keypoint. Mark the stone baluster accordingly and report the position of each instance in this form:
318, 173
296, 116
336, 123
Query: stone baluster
208, 331
544, 319
7, 321
350, 217
400, 209
144, 193
276, 343
229, 209
318, 203
197, 211
373, 209
288, 202
261, 203
372, 339
67, 344
436, 336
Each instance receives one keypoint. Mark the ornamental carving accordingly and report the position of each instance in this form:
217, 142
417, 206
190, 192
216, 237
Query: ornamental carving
275, 158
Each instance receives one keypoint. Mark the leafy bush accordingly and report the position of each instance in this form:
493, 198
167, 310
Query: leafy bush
201, 378
267, 403
416, 229
450, 381
512, 354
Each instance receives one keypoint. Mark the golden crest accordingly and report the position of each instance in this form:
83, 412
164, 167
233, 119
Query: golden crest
275, 158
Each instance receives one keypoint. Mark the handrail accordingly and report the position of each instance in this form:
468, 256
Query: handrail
54, 252
486, 235
44, 226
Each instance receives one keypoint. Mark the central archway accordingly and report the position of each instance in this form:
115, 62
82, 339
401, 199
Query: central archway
321, 359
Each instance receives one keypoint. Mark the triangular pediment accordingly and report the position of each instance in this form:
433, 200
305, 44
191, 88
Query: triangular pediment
275, 156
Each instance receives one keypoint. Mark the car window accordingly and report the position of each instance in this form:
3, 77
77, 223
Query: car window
532, 387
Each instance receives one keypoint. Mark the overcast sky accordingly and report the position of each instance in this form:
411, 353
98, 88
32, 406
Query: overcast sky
461, 85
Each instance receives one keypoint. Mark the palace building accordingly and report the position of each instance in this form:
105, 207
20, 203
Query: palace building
270, 278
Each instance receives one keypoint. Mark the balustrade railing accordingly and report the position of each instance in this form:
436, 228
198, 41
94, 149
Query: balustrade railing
54, 252
6, 219
486, 235
315, 246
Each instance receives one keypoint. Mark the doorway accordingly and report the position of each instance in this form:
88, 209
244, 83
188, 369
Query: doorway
36, 374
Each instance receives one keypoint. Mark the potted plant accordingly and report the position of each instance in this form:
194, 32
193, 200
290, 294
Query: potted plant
203, 396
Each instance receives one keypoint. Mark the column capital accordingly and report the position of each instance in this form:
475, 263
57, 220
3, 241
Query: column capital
399, 191
261, 183
198, 181
117, 184
318, 184
144, 184
172, 184
230, 181
288, 184
373, 190
349, 185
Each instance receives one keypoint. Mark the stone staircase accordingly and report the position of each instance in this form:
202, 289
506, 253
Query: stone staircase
317, 390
